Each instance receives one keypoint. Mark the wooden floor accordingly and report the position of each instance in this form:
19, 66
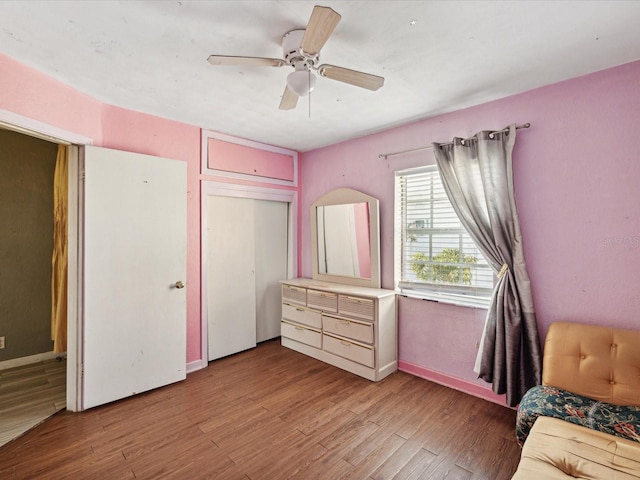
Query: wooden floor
29, 394
271, 413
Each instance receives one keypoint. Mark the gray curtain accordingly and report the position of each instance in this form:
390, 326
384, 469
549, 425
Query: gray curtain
478, 178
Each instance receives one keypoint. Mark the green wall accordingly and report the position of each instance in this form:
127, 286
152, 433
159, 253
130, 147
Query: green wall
26, 224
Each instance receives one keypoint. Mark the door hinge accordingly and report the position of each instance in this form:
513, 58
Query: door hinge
82, 176
82, 370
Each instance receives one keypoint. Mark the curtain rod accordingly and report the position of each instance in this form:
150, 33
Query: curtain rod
387, 155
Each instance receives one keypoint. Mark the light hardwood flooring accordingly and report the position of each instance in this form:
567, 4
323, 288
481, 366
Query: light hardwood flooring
29, 394
271, 413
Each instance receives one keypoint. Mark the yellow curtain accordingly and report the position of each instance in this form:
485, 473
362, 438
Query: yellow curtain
59, 257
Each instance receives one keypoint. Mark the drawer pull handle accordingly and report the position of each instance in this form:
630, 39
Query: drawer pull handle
346, 344
358, 300
299, 328
300, 309
345, 322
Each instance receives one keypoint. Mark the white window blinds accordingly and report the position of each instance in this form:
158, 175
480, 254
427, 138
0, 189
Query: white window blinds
435, 257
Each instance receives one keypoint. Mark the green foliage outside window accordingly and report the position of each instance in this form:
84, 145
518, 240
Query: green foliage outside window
430, 271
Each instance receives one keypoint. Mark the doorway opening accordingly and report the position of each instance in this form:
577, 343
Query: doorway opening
32, 371
61, 368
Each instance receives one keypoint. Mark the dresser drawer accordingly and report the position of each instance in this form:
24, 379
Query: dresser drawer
350, 350
311, 318
355, 329
325, 301
301, 334
293, 294
357, 307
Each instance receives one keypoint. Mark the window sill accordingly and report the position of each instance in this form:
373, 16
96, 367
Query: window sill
449, 299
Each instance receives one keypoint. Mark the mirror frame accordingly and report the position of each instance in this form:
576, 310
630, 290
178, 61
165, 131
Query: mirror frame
341, 196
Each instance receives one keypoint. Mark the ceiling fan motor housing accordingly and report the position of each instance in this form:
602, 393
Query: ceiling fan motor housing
292, 53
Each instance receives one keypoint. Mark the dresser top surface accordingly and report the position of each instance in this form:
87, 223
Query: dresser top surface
338, 288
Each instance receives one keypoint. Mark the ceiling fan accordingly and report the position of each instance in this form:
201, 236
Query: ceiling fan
301, 50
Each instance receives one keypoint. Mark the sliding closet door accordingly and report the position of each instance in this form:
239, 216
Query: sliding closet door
231, 314
247, 255
271, 265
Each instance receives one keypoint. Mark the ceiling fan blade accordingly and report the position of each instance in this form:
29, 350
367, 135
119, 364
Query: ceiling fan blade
245, 61
289, 99
320, 27
352, 77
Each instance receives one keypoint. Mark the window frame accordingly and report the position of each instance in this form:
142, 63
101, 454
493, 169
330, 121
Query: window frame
463, 295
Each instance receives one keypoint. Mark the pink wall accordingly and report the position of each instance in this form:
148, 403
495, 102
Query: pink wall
31, 94
576, 172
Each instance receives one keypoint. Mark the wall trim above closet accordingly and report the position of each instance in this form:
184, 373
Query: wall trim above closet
242, 159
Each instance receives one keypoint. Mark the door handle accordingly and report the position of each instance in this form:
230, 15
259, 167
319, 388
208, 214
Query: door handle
179, 284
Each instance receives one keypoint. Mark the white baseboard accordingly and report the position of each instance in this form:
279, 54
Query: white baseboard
39, 357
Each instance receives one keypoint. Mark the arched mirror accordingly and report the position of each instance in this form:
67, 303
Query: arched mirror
345, 238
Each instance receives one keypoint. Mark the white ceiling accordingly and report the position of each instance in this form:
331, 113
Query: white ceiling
150, 56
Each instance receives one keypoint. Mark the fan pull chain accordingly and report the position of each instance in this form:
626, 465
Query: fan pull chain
309, 93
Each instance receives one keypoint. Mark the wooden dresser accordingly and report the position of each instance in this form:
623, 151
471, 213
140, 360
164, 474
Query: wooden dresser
353, 328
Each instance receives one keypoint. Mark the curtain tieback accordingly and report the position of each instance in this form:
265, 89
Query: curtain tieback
503, 270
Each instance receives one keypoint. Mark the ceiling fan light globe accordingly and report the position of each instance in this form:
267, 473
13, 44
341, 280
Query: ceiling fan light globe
301, 82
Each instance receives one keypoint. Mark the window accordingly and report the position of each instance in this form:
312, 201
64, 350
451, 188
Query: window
435, 256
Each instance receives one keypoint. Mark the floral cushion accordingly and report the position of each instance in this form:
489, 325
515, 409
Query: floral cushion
549, 401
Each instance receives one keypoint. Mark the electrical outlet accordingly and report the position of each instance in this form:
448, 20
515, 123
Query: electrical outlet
1, 342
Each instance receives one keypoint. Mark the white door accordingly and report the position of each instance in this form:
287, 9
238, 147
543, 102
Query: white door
271, 219
231, 307
134, 314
